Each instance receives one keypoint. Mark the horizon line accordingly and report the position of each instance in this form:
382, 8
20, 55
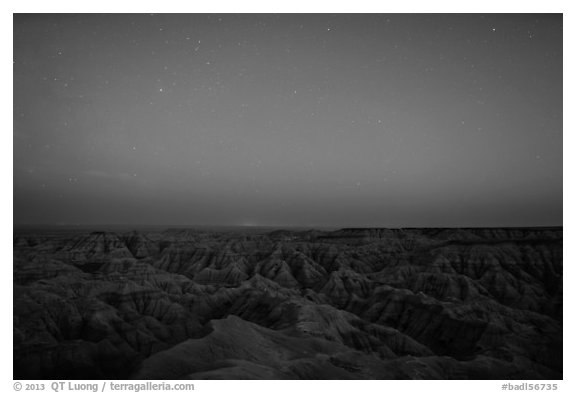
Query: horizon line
64, 225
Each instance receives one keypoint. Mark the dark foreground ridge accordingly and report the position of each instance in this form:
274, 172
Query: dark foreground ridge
474, 303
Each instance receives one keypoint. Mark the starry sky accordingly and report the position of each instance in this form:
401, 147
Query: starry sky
337, 120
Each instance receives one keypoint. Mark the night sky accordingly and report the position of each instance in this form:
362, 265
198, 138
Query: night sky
288, 120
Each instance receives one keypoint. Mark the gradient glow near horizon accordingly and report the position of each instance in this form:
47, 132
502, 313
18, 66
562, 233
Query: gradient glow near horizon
296, 120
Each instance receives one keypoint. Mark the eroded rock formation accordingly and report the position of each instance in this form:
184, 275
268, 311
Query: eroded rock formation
349, 304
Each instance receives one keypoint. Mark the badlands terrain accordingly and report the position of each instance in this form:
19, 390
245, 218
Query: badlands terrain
288, 304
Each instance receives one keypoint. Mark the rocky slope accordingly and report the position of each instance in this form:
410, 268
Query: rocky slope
477, 303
